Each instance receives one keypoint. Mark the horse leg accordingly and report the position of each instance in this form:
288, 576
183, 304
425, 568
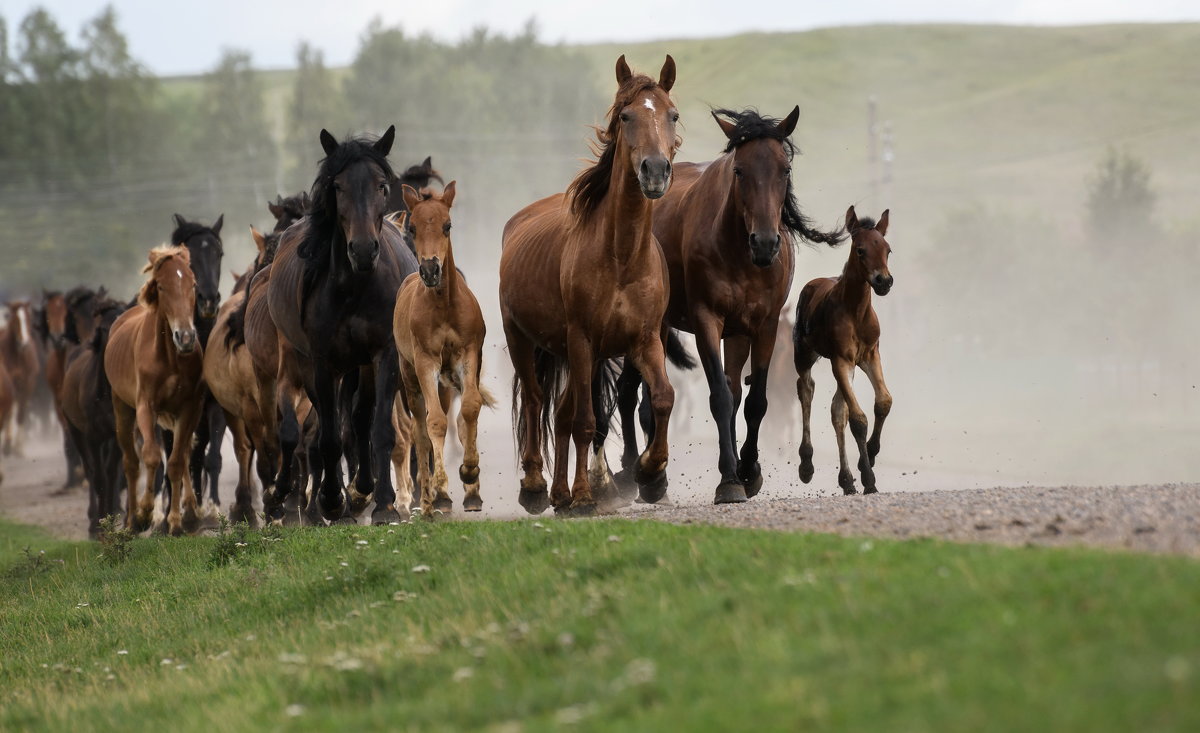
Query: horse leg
843, 371
151, 465
468, 431
214, 422
421, 444
331, 496
805, 387
289, 440
720, 402
125, 420
650, 359
242, 509
183, 516
427, 368
347, 392
737, 351
383, 437
361, 486
873, 366
749, 470
582, 365
527, 400
600, 477
564, 413
402, 424
629, 385
95, 507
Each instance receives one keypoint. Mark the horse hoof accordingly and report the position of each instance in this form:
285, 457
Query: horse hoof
347, 519
751, 479
138, 525
652, 488
582, 510
160, 529
240, 513
472, 503
386, 515
627, 486
443, 504
358, 502
297, 518
730, 492
333, 509
175, 530
806, 471
190, 522
534, 502
870, 490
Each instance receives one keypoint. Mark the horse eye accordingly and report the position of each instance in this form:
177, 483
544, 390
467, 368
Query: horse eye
674, 117
446, 228
624, 117
862, 252
737, 172
383, 187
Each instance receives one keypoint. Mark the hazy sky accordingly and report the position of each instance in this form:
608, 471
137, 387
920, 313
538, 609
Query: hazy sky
173, 37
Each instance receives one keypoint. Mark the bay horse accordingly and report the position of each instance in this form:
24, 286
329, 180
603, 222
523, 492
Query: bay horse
331, 295
288, 211
86, 399
727, 229
439, 333
67, 324
835, 319
7, 401
154, 363
583, 281
19, 353
206, 250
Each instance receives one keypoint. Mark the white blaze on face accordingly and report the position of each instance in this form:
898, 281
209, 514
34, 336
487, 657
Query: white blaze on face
649, 104
179, 273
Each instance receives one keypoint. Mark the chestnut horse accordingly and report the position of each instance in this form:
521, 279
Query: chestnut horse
20, 356
582, 281
154, 362
86, 399
727, 229
834, 319
331, 295
439, 337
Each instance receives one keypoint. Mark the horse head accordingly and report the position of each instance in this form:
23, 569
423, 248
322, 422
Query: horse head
429, 228
171, 291
871, 250
353, 185
204, 245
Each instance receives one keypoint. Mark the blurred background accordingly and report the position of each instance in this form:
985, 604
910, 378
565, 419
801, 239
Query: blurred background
1039, 161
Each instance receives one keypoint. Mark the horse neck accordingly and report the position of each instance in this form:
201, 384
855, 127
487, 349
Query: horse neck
627, 228
853, 288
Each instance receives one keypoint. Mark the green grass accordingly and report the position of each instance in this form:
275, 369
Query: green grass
612, 625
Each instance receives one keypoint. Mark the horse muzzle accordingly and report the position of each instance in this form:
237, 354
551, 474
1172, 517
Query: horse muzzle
208, 307
881, 284
764, 248
654, 177
185, 340
431, 272
363, 255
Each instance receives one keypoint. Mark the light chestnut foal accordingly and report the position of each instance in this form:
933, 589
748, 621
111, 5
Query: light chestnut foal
439, 333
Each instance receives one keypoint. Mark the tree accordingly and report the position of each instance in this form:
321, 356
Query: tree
120, 94
235, 139
316, 104
1120, 201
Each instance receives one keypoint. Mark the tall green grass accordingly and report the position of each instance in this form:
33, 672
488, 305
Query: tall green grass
603, 625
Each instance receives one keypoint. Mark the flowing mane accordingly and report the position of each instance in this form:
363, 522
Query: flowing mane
322, 212
189, 229
750, 125
148, 295
591, 185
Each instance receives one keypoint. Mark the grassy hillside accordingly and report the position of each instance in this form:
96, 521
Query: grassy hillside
605, 624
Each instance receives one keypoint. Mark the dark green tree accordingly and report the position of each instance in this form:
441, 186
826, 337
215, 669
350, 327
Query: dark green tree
316, 104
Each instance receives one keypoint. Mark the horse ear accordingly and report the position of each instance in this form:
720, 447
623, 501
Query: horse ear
411, 197
666, 77
179, 220
427, 164
624, 73
448, 194
216, 227
384, 144
727, 127
788, 125
881, 227
102, 293
851, 219
259, 240
275, 209
328, 142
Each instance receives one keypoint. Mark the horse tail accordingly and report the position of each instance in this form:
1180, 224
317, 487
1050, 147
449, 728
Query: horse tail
550, 372
489, 400
677, 353
604, 398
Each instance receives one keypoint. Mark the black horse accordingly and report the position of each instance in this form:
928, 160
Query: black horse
87, 407
288, 211
417, 176
204, 245
332, 289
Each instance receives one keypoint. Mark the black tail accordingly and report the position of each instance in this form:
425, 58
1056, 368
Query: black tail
549, 371
677, 353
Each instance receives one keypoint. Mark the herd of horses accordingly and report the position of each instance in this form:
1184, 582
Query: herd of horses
347, 341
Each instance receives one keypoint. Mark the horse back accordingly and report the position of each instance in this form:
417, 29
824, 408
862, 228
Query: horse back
530, 270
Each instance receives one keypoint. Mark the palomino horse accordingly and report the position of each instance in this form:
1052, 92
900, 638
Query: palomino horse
204, 245
20, 356
331, 294
582, 281
834, 319
154, 362
439, 337
87, 406
727, 229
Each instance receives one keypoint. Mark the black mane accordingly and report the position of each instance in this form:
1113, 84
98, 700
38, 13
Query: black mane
864, 222
189, 229
750, 125
322, 212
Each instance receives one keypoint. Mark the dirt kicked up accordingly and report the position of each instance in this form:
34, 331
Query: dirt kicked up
1158, 519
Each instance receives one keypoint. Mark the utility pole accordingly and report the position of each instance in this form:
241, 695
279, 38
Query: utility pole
872, 153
